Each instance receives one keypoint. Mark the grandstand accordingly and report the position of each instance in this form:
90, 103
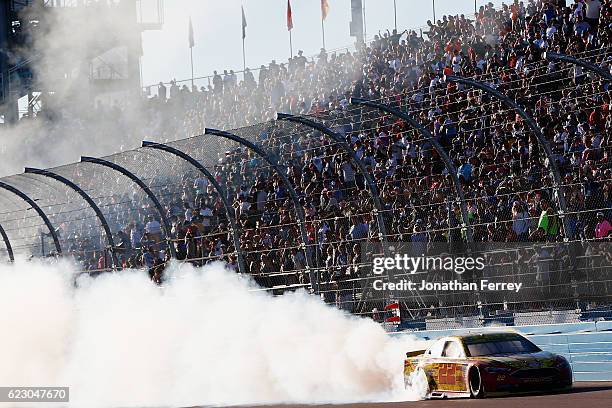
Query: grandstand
480, 135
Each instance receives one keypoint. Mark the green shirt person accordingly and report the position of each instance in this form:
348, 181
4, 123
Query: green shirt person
548, 224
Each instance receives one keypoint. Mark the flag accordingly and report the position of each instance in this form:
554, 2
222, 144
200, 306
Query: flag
324, 9
191, 40
289, 16
244, 24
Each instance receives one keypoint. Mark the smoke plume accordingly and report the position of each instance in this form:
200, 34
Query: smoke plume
66, 48
207, 337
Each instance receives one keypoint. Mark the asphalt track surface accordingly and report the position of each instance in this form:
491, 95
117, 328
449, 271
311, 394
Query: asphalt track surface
582, 395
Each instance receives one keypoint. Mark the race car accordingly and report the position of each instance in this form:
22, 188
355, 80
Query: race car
479, 365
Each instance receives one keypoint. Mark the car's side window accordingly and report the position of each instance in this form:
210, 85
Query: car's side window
436, 349
452, 350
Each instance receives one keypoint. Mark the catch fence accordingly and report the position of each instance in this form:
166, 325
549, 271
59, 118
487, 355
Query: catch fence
310, 201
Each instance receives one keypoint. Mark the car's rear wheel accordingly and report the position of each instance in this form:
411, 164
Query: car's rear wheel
422, 383
418, 382
475, 383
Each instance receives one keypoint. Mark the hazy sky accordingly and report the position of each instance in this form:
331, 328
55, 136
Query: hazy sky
218, 36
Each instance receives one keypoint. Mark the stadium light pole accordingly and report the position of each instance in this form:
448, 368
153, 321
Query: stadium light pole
89, 201
38, 210
229, 210
448, 163
310, 268
554, 167
369, 181
7, 244
160, 210
589, 66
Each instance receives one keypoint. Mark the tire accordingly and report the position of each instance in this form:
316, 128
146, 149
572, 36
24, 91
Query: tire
418, 382
475, 383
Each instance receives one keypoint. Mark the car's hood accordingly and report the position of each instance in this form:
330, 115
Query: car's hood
540, 359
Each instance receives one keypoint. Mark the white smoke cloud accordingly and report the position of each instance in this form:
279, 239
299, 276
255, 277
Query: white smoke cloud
204, 338
75, 124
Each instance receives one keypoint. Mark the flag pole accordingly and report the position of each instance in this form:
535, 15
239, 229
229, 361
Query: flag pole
191, 54
323, 31
191, 44
433, 6
243, 58
290, 44
365, 24
395, 13
244, 26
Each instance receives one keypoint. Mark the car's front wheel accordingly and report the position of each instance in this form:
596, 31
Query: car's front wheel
475, 383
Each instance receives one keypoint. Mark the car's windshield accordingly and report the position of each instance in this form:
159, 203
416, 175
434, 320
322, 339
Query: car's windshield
496, 347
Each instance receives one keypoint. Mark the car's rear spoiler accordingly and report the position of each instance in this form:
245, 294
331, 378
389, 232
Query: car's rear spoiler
414, 353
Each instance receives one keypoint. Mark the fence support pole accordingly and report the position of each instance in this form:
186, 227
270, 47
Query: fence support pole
7, 244
429, 137
310, 267
370, 183
90, 202
229, 210
589, 66
164, 220
554, 167
38, 210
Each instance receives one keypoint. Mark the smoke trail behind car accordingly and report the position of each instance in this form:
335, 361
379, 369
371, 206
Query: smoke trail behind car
205, 338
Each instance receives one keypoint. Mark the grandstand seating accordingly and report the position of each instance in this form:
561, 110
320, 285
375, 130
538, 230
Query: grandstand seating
503, 169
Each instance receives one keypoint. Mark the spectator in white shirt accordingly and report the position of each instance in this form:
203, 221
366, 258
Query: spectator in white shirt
153, 232
593, 9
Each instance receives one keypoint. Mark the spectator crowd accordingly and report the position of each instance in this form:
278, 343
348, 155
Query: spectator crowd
503, 169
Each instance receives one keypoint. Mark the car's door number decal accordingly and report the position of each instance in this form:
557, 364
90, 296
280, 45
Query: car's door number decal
450, 376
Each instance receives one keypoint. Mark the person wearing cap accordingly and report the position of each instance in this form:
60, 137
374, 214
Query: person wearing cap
603, 227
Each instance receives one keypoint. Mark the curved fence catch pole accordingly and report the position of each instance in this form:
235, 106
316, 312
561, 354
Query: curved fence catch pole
443, 155
554, 167
229, 210
311, 270
160, 210
370, 183
7, 244
90, 202
39, 211
589, 66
